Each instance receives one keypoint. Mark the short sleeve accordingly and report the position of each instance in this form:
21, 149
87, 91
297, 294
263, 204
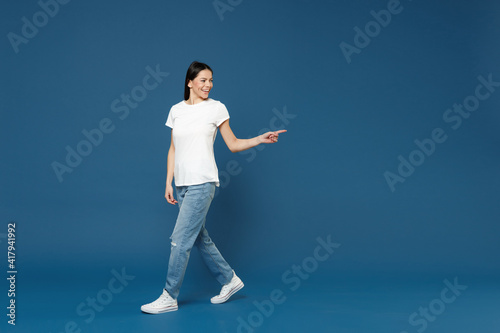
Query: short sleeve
170, 119
222, 114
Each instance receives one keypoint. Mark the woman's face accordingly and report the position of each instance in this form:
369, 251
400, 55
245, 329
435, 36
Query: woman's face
201, 85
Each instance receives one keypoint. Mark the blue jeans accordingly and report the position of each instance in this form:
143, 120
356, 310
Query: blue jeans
194, 202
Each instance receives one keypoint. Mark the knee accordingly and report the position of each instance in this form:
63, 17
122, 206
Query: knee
203, 241
205, 238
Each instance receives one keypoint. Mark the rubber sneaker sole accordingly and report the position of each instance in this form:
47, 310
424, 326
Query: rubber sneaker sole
160, 310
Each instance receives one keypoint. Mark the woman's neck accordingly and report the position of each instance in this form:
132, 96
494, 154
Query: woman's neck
195, 101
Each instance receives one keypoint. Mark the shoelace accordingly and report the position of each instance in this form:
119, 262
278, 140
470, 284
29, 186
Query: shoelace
225, 290
162, 300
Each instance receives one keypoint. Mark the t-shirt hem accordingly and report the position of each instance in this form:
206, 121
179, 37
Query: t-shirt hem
221, 121
217, 183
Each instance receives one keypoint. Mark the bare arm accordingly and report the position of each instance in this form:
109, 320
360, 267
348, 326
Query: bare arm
235, 145
169, 190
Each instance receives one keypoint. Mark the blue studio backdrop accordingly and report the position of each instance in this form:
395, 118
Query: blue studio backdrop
382, 192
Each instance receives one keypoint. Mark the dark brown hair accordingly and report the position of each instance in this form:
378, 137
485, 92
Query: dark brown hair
194, 69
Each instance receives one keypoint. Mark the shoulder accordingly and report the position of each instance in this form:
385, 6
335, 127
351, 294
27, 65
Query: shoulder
178, 105
216, 104
212, 102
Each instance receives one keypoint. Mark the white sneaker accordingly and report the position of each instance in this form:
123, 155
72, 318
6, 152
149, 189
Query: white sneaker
164, 303
228, 290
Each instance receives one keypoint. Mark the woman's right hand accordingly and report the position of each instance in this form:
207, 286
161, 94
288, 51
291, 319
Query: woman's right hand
169, 195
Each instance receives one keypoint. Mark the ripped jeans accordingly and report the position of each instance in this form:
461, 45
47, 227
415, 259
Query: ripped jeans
194, 202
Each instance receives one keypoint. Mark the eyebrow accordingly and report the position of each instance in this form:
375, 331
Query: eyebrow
201, 78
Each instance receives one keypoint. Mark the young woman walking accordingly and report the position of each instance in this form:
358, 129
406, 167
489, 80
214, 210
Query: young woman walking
191, 163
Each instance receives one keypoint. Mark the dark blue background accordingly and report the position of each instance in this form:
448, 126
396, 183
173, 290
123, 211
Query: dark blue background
324, 177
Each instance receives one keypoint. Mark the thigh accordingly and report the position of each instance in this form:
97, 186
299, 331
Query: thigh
180, 193
196, 201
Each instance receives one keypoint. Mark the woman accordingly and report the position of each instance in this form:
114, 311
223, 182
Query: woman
191, 162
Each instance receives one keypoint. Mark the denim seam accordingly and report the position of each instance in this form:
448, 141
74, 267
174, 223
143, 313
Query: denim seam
183, 238
177, 263
216, 263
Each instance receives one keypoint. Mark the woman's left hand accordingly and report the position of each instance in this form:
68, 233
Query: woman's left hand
270, 137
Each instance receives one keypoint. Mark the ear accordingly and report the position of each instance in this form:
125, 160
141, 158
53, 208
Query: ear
190, 84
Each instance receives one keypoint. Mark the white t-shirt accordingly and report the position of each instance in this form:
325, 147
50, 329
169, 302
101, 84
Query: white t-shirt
194, 131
